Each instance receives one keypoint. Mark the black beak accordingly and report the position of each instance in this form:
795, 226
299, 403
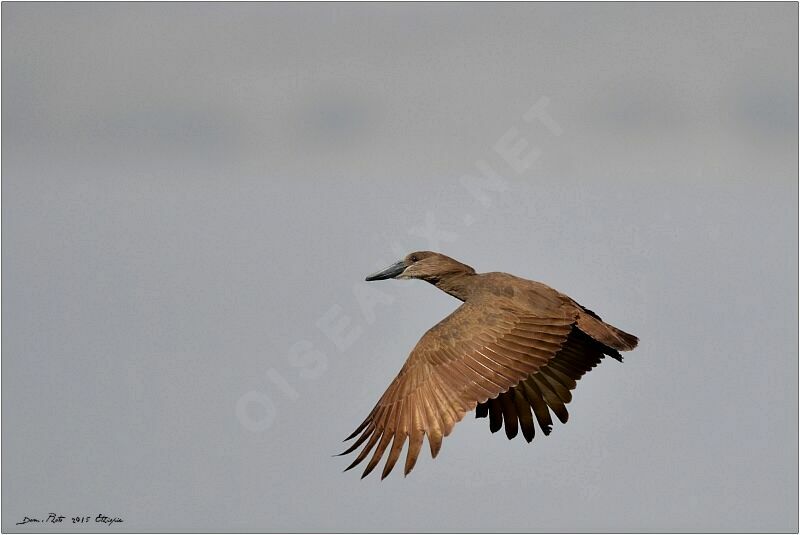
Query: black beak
388, 273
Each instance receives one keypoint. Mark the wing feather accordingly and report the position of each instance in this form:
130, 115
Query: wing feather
524, 413
549, 388
473, 356
509, 415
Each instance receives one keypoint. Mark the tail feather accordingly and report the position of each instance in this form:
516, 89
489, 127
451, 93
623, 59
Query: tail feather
606, 334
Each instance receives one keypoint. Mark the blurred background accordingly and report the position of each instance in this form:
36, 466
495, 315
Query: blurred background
193, 194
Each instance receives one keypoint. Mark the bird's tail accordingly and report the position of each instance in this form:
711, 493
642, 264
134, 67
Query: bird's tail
606, 334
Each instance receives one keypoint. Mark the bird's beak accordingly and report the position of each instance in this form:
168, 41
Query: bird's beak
389, 273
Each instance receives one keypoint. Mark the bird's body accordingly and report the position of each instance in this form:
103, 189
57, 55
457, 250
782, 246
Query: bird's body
512, 351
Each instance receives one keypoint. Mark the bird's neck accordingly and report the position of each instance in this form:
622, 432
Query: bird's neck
459, 284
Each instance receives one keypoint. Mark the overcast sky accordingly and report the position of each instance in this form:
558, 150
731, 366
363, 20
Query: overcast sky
193, 194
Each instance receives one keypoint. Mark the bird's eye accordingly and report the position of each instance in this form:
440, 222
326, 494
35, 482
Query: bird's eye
414, 258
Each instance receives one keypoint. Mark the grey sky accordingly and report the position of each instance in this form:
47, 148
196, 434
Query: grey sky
193, 194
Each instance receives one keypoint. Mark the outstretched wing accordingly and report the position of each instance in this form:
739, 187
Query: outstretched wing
478, 352
550, 387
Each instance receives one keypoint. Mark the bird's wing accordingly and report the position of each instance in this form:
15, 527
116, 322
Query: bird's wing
478, 352
548, 388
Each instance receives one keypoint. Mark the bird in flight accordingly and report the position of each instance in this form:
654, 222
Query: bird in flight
512, 351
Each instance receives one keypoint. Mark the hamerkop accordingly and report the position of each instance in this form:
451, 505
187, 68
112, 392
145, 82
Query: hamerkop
514, 347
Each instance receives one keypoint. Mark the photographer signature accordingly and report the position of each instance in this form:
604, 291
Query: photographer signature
53, 518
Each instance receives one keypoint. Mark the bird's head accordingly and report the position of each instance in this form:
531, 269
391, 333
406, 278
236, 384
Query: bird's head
425, 265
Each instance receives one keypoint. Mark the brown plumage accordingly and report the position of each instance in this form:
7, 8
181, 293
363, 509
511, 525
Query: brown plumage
513, 351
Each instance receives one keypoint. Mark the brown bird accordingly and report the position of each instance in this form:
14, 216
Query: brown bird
513, 351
